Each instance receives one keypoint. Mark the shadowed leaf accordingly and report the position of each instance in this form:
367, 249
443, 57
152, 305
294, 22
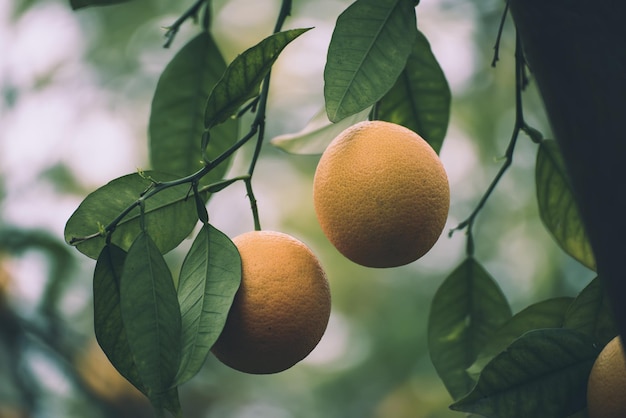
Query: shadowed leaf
541, 374
466, 310
557, 207
420, 98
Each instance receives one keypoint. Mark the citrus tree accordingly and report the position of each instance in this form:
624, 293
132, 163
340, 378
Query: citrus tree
158, 331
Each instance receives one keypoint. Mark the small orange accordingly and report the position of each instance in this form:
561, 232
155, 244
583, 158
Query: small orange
606, 389
381, 194
281, 309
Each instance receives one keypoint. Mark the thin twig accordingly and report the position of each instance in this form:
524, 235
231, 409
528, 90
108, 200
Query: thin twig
172, 30
496, 47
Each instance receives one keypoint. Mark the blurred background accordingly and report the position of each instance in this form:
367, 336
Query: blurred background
75, 94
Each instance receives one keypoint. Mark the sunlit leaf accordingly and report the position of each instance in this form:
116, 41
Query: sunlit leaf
557, 207
151, 316
545, 314
317, 134
541, 374
79, 4
591, 314
209, 279
177, 115
466, 310
170, 214
368, 50
108, 325
244, 75
420, 98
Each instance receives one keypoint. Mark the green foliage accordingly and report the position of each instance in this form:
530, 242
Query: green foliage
369, 48
177, 115
557, 206
209, 279
108, 323
545, 314
420, 98
169, 216
591, 314
543, 373
466, 310
151, 316
244, 75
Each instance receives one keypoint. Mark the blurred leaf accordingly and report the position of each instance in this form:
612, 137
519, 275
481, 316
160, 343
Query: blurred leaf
79, 4
108, 325
317, 134
368, 50
209, 278
244, 75
176, 119
420, 98
557, 207
546, 314
16, 240
541, 374
170, 215
466, 310
591, 314
151, 316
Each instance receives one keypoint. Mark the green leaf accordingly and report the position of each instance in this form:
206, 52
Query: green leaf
591, 314
466, 310
546, 314
317, 134
151, 316
420, 99
541, 374
170, 215
244, 75
176, 119
108, 325
368, 50
209, 278
79, 4
557, 207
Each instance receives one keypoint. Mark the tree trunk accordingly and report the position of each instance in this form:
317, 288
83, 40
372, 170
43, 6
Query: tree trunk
576, 51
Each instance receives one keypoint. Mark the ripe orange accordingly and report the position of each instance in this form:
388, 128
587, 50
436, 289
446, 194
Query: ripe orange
606, 389
381, 194
281, 309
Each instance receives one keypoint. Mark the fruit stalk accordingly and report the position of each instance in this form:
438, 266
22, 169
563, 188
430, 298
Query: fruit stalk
574, 50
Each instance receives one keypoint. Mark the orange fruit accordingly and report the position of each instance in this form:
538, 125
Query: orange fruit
381, 194
606, 388
281, 309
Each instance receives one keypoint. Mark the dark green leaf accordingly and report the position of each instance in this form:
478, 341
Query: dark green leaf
591, 314
108, 325
168, 401
557, 207
244, 75
466, 310
176, 119
79, 4
151, 316
546, 314
420, 99
318, 133
209, 279
368, 50
170, 214
541, 374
